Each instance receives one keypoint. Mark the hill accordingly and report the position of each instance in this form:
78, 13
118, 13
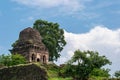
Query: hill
23, 72
32, 71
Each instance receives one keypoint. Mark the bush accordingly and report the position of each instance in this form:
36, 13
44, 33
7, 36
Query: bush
10, 60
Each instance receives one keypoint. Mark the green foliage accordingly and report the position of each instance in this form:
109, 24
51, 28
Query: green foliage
5, 60
52, 37
10, 60
53, 72
98, 78
100, 72
117, 74
15, 43
17, 59
59, 78
86, 62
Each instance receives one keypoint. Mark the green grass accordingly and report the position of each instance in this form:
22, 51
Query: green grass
57, 78
52, 71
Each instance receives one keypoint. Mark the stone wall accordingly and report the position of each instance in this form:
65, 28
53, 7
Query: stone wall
24, 72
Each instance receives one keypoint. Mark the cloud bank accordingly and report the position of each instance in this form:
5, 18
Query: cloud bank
80, 9
61, 5
101, 39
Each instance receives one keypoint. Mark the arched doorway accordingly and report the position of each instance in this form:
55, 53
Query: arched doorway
38, 60
33, 57
44, 59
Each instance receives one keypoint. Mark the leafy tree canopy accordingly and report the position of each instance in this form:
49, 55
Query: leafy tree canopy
117, 74
52, 37
100, 72
86, 62
10, 60
15, 43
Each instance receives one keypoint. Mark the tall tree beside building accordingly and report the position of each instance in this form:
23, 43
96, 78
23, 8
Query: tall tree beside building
52, 37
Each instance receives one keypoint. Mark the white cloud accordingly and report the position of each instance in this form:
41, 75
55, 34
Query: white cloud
62, 5
101, 39
39, 3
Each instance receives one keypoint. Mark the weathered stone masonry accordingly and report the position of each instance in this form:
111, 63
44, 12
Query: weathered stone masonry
31, 47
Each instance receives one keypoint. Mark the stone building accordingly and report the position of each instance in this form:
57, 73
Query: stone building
31, 47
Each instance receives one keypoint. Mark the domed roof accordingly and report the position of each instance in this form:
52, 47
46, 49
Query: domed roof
30, 34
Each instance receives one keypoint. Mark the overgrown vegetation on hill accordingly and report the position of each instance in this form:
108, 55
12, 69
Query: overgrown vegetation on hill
53, 72
85, 64
38, 71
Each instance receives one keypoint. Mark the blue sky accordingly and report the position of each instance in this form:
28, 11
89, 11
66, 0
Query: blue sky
88, 24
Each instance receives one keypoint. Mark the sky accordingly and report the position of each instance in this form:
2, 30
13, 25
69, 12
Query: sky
88, 24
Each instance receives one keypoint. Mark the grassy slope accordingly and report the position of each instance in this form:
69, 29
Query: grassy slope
52, 71
53, 74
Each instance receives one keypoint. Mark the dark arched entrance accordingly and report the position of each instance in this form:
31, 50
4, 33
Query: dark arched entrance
33, 57
38, 60
44, 59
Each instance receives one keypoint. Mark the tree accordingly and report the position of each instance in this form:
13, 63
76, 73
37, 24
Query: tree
10, 60
52, 37
86, 62
15, 43
117, 74
5, 60
100, 72
17, 59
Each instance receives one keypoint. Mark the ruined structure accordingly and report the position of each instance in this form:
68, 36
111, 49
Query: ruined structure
30, 46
